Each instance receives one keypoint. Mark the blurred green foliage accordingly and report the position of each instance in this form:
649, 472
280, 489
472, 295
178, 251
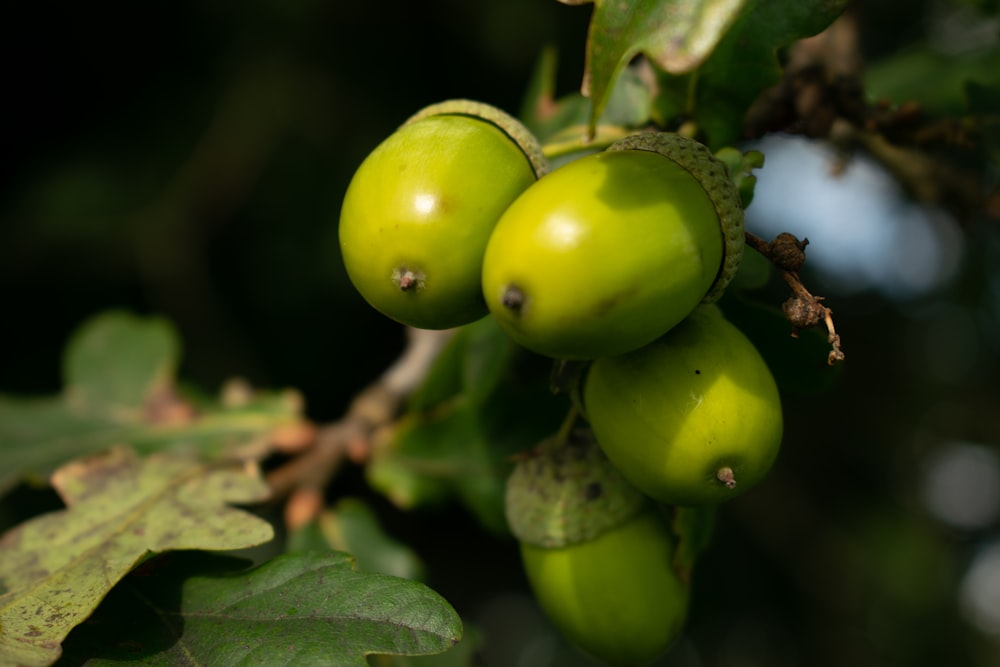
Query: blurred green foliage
189, 159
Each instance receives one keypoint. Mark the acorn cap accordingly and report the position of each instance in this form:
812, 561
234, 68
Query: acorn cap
566, 492
713, 176
499, 118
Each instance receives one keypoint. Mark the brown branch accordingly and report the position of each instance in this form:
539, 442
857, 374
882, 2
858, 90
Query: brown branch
351, 437
802, 309
926, 174
937, 160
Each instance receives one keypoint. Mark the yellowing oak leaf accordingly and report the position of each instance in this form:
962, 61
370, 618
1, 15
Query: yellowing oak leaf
120, 386
56, 568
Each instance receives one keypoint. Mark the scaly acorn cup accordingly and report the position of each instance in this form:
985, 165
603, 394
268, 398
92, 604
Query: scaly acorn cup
597, 553
610, 251
419, 211
693, 418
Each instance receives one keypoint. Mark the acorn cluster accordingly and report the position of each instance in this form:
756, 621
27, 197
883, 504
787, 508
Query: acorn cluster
613, 260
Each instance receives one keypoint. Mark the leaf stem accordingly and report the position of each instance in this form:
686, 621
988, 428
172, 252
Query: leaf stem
566, 429
692, 91
575, 139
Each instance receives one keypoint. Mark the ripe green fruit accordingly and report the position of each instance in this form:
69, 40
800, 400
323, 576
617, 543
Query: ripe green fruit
598, 556
616, 596
693, 418
610, 251
419, 211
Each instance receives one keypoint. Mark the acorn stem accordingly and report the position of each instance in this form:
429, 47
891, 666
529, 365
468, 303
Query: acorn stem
572, 416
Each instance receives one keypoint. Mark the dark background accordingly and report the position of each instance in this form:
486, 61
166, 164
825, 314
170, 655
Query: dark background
189, 158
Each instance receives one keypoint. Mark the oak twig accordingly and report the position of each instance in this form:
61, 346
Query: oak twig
303, 478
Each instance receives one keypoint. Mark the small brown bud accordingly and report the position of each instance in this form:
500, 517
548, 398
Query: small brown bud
787, 252
803, 313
